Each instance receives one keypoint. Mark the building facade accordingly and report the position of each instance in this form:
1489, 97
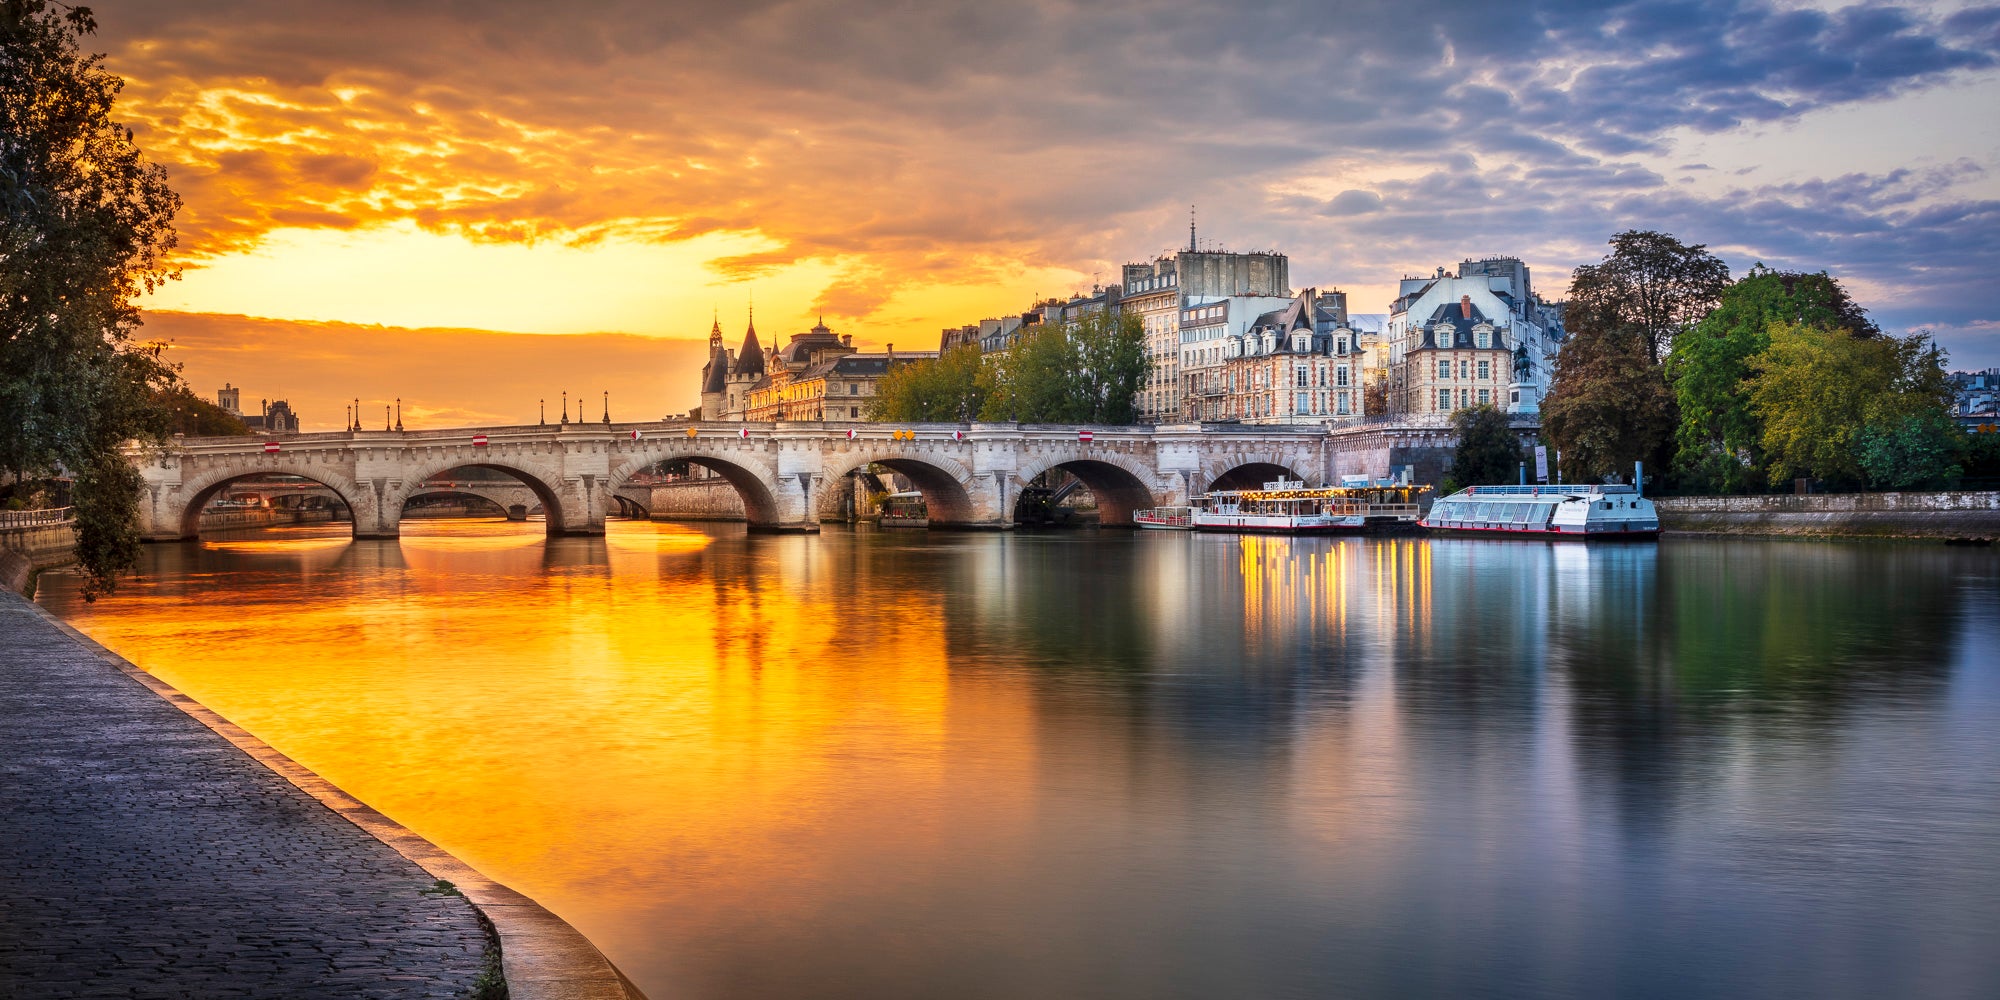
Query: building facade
1497, 325
1298, 363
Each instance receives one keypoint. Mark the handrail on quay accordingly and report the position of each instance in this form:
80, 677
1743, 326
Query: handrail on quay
30, 518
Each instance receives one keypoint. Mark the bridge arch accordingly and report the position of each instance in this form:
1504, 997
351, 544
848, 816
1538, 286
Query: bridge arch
628, 507
1118, 483
752, 479
542, 481
502, 501
196, 493
944, 481
1252, 471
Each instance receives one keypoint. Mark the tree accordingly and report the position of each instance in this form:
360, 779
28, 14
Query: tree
944, 389
1719, 437
1489, 453
1085, 372
1608, 405
88, 225
1651, 285
194, 416
1918, 451
1826, 397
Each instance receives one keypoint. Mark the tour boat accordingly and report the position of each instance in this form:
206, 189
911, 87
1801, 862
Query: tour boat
904, 510
1287, 507
1560, 511
1165, 518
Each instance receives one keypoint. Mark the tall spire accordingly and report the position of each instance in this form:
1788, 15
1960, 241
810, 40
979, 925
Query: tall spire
1191, 229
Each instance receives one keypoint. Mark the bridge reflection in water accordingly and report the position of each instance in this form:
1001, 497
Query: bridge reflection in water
1145, 765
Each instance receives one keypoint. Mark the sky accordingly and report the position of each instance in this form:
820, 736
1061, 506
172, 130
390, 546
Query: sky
478, 205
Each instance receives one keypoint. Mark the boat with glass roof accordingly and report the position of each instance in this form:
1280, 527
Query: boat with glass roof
1559, 511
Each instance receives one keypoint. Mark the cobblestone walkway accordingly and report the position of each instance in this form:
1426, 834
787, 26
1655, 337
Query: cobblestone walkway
141, 855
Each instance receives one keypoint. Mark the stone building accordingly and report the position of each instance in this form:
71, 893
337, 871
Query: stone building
1298, 363
727, 378
275, 417
1498, 325
1162, 290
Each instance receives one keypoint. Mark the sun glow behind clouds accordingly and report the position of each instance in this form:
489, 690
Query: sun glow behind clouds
400, 275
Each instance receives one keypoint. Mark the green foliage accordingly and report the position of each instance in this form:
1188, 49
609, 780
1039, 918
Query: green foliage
947, 389
1651, 286
1719, 438
1981, 456
187, 413
1087, 372
87, 226
1816, 391
1489, 453
1608, 405
1911, 452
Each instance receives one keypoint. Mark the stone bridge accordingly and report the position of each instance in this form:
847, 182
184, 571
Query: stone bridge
971, 475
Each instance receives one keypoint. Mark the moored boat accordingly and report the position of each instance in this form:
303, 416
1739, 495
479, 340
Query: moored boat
1165, 518
1561, 511
1287, 507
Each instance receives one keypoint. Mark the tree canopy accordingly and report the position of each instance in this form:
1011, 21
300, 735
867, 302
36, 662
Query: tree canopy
1489, 452
88, 225
1850, 408
1720, 438
1086, 372
1608, 405
1651, 285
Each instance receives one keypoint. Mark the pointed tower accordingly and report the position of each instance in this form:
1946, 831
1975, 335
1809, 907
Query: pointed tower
744, 373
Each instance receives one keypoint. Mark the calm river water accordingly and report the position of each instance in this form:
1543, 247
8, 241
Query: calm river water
910, 764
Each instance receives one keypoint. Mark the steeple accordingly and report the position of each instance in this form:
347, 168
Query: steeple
715, 334
750, 360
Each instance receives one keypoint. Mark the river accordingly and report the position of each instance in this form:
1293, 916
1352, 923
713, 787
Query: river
1136, 765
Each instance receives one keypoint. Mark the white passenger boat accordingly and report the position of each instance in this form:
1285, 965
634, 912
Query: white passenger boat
1287, 507
1165, 518
1563, 511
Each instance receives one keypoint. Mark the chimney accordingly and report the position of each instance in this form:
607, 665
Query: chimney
847, 340
892, 352
1465, 306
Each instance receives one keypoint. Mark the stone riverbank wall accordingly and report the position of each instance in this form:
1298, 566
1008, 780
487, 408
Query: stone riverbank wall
29, 549
1937, 516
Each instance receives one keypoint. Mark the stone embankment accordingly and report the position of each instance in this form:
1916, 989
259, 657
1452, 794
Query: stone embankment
150, 848
30, 544
1935, 516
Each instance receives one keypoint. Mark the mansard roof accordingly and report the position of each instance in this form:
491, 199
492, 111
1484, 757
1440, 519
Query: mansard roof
1451, 325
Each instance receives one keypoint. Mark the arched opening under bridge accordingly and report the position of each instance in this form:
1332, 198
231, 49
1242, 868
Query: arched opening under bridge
1056, 494
947, 503
1253, 476
264, 499
685, 487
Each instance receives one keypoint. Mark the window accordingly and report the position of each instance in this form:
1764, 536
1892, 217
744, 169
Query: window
1342, 402
1482, 339
1300, 378
1462, 370
854, 388
1486, 369
1485, 396
1340, 345
1444, 369
1300, 405
854, 411
1340, 375
1444, 399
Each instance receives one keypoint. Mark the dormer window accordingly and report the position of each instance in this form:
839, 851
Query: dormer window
1482, 338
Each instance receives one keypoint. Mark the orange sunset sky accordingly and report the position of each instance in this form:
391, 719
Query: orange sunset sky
475, 206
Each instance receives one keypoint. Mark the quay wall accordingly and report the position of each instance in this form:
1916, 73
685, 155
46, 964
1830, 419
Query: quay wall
27, 550
259, 517
1946, 515
696, 500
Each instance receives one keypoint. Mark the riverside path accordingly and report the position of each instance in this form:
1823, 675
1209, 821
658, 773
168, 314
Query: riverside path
141, 854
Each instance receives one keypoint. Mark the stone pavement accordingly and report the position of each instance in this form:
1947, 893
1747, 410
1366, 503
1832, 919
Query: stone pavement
143, 855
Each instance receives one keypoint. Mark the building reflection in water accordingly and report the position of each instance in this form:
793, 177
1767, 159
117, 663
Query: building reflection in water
911, 763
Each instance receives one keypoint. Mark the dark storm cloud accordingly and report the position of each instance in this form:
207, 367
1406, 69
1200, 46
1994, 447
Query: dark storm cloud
1010, 132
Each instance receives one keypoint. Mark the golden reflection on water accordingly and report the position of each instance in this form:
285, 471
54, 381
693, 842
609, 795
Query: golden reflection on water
915, 764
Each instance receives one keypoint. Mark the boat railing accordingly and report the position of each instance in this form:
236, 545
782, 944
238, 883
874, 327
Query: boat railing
1546, 489
1400, 511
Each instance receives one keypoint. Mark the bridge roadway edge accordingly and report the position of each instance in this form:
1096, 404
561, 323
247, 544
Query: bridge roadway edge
542, 957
